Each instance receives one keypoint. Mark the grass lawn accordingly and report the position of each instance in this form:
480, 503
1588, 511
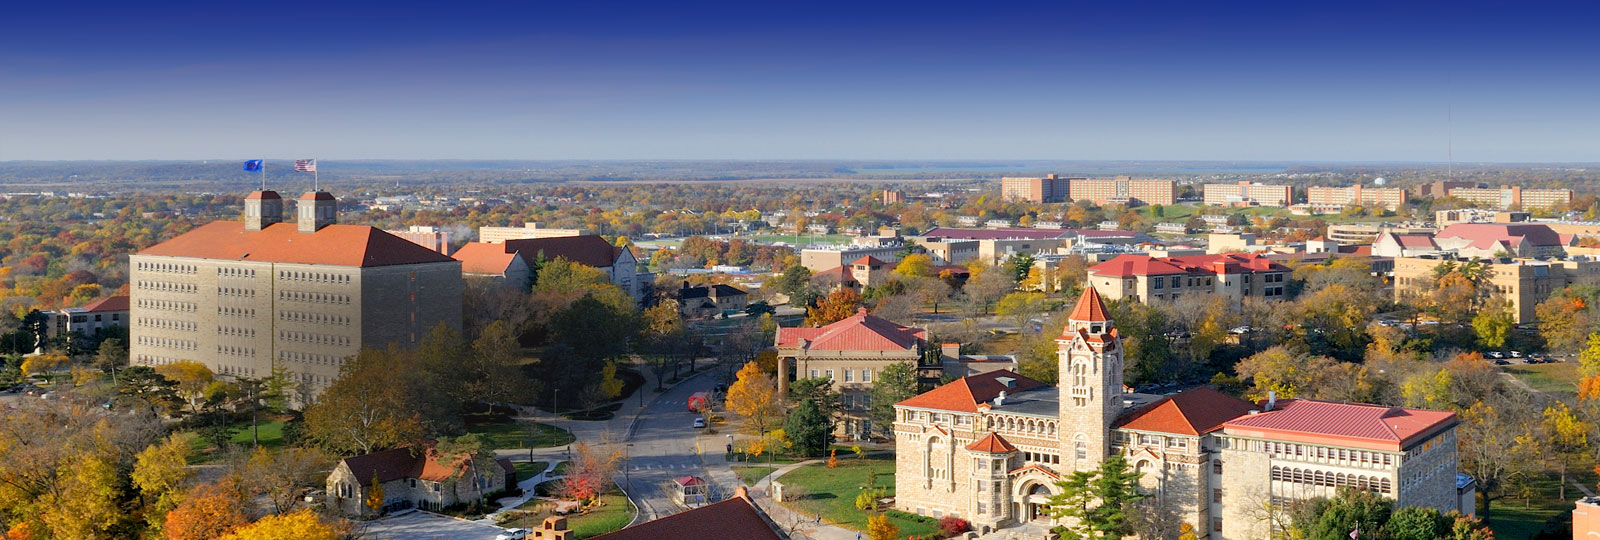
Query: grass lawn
613, 514
803, 239
520, 434
752, 474
832, 493
561, 468
528, 469
1513, 518
1557, 378
269, 434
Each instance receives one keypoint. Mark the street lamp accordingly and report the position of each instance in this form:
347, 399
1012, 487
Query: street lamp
627, 465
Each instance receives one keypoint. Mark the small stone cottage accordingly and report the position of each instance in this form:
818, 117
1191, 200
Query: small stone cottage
413, 478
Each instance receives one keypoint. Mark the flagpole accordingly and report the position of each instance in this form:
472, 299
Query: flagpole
316, 177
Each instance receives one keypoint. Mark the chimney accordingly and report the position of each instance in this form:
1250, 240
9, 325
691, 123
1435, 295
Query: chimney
317, 209
950, 351
1000, 399
1272, 399
261, 209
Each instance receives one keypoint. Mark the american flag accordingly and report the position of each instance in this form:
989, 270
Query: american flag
305, 165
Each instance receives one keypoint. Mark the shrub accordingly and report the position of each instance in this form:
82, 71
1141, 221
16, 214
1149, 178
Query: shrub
952, 526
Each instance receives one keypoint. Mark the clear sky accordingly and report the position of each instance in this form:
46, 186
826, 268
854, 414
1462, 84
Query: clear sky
581, 79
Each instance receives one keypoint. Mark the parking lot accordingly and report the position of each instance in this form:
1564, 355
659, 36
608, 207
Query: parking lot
425, 526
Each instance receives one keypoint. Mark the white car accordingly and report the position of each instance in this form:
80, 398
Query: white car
699, 423
512, 534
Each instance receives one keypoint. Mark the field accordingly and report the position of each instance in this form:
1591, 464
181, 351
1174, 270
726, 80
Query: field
520, 435
1515, 518
752, 474
832, 493
528, 469
804, 239
1560, 378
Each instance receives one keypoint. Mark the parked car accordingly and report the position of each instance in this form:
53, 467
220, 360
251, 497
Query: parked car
699, 423
1495, 354
512, 534
1501, 363
1516, 354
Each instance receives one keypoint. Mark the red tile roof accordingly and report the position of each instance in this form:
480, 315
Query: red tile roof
263, 195
1016, 233
1486, 235
869, 261
587, 250
992, 443
317, 196
1352, 424
334, 245
401, 463
964, 394
736, 518
1192, 412
1090, 307
689, 480
1144, 265
837, 274
483, 258
111, 303
859, 332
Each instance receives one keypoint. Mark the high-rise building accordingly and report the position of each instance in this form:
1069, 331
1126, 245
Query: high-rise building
1334, 199
1441, 188
246, 297
1248, 194
1047, 189
1122, 190
432, 238
495, 235
1514, 197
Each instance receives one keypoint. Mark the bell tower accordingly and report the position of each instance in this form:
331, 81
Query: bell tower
262, 209
1089, 356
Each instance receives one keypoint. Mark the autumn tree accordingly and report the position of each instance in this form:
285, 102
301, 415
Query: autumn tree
1567, 438
303, 524
192, 378
590, 472
915, 265
207, 512
879, 528
837, 306
367, 408
159, 471
44, 364
284, 476
375, 496
1496, 446
754, 396
1283, 372
493, 372
1493, 324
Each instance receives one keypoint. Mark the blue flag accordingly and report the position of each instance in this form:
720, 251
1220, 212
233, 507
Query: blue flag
252, 165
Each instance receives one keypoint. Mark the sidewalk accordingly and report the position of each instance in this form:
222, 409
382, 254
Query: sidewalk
796, 525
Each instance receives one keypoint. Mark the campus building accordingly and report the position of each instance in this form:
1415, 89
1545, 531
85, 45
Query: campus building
1522, 282
1334, 199
1047, 189
1122, 190
1148, 279
1248, 194
91, 320
495, 235
990, 448
849, 353
1514, 197
245, 297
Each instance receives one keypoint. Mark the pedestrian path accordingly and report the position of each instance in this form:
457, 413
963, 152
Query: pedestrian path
511, 503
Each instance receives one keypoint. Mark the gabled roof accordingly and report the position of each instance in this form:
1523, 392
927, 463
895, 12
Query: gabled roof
964, 394
734, 518
1127, 265
402, 463
859, 332
869, 261
1487, 235
1376, 426
992, 443
1192, 412
484, 258
588, 250
837, 274
334, 245
1090, 307
110, 303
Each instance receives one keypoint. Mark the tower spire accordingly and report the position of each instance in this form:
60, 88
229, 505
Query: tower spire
1090, 307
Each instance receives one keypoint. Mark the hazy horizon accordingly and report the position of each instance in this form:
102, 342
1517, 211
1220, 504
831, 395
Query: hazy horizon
1240, 82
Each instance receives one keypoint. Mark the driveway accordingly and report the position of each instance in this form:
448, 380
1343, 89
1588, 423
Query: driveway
427, 526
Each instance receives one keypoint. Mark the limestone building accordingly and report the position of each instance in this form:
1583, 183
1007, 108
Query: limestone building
1334, 199
245, 297
1248, 194
1047, 189
1147, 279
1522, 282
851, 353
990, 448
1122, 190
1514, 197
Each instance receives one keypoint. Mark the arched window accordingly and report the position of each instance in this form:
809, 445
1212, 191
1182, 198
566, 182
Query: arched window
1080, 449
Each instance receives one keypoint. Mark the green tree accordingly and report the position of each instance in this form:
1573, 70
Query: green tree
1020, 265
1493, 325
1417, 523
894, 383
809, 428
1352, 510
1098, 501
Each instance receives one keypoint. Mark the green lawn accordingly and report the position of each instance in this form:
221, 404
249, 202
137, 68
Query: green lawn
521, 434
752, 474
527, 469
832, 493
269, 434
561, 468
1557, 378
1513, 518
614, 513
803, 239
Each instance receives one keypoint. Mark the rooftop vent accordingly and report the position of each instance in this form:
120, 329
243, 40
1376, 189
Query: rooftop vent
1008, 382
1000, 399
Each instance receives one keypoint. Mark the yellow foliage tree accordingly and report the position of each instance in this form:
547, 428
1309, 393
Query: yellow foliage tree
879, 528
298, 525
43, 364
374, 500
610, 385
754, 395
159, 472
192, 378
915, 265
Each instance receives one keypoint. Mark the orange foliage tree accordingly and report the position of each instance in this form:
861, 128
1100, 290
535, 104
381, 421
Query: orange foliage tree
836, 307
207, 512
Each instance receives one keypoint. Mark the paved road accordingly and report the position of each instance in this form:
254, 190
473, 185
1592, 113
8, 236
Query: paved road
662, 447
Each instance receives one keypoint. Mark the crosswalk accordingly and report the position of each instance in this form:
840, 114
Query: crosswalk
663, 466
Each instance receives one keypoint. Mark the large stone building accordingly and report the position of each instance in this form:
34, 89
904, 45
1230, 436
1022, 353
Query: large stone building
1334, 199
89, 321
1522, 282
1147, 279
1514, 197
1047, 189
1440, 188
1122, 190
496, 235
849, 352
1248, 194
990, 448
245, 297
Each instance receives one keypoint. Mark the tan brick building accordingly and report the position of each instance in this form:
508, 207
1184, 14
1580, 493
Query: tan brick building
1334, 199
1514, 197
1047, 189
850, 353
244, 297
1248, 194
495, 235
989, 448
1122, 190
1523, 282
1166, 279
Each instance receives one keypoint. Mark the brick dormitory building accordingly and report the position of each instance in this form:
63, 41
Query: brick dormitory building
243, 297
990, 448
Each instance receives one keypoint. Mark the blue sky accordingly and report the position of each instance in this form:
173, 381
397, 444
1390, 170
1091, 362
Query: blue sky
758, 80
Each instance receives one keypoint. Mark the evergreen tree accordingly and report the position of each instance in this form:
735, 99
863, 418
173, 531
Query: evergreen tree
809, 428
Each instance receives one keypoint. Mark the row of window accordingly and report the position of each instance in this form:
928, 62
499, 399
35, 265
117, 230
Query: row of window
309, 317
169, 343
313, 297
1329, 479
236, 331
168, 305
226, 350
851, 402
866, 375
236, 312
166, 286
307, 358
168, 268
310, 337
1353, 457
236, 292
154, 360
228, 271
313, 277
166, 324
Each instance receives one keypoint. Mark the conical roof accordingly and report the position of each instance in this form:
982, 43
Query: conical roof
1090, 307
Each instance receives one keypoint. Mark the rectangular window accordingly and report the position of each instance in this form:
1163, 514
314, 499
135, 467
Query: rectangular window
848, 376
813, 373
1216, 524
1216, 495
1216, 466
866, 375
828, 373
